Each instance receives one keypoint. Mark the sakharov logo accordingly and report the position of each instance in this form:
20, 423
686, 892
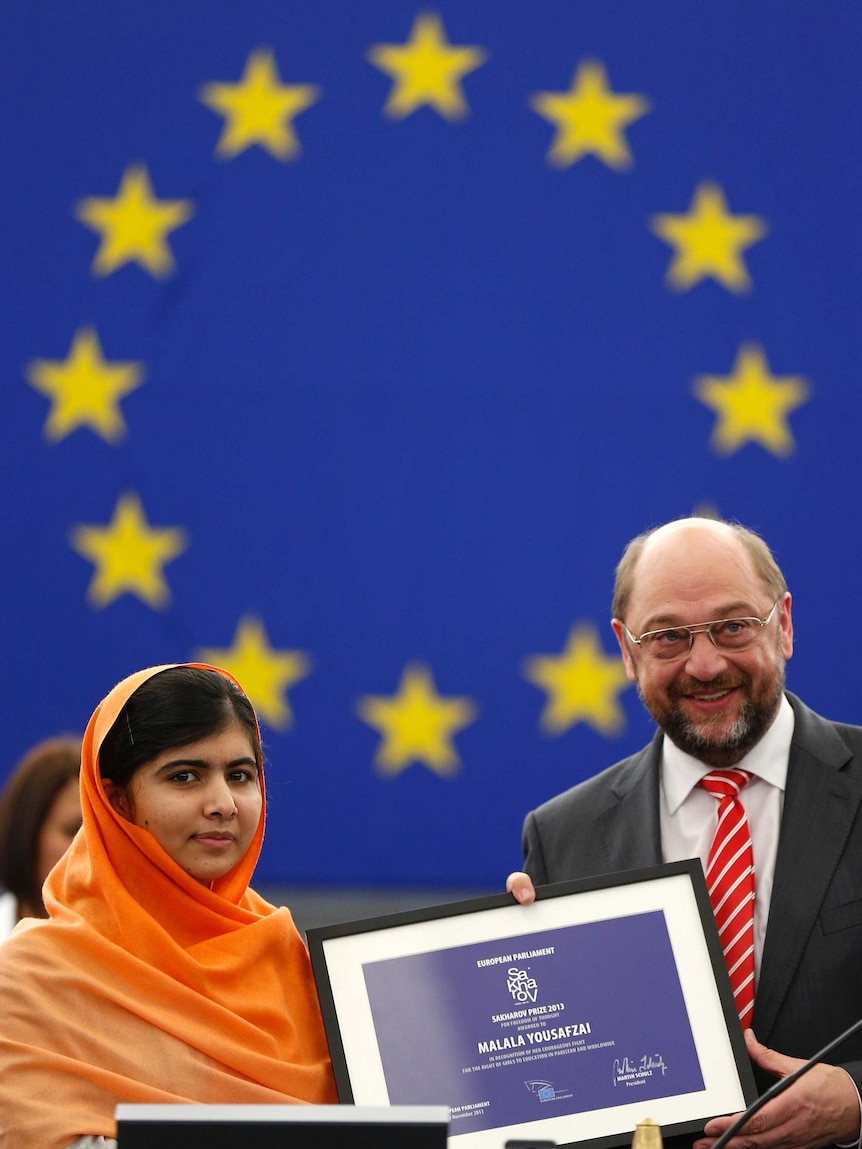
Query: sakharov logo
521, 986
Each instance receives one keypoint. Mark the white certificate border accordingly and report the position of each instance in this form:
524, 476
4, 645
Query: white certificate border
339, 959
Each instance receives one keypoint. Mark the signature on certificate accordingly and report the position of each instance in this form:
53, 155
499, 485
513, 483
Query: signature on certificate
629, 1071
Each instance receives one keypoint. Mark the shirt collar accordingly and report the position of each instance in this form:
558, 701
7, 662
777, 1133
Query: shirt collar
768, 759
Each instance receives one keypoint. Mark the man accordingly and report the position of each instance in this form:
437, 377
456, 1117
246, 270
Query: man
716, 693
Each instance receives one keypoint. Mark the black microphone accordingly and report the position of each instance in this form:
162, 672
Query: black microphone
784, 1083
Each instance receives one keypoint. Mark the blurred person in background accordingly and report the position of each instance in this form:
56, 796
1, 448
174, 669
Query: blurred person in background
40, 813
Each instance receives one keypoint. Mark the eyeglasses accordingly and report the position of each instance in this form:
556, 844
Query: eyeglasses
730, 634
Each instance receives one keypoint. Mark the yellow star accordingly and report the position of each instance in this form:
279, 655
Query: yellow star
751, 404
265, 673
709, 241
134, 224
417, 724
426, 70
590, 118
129, 555
582, 684
85, 389
259, 109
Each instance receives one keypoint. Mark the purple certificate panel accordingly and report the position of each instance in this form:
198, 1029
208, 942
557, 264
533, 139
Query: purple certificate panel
519, 1029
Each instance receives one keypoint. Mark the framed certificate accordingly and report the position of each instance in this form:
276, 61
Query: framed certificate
570, 1020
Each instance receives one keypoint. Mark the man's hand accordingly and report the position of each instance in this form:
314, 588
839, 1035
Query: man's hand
821, 1108
521, 887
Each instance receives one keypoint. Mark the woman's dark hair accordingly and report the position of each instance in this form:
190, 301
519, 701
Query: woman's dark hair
26, 801
173, 708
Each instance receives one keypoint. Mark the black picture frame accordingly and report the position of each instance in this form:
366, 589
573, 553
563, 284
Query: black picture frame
344, 957
187, 1126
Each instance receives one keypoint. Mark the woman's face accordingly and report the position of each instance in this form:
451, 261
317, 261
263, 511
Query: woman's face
58, 829
201, 802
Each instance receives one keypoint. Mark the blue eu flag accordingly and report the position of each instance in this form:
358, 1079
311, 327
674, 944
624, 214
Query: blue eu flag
345, 346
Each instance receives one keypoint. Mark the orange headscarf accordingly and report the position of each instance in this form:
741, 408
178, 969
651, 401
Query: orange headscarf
147, 986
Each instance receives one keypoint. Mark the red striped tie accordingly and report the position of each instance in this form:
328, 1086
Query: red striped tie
730, 879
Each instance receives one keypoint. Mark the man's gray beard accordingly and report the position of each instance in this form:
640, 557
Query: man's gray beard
692, 738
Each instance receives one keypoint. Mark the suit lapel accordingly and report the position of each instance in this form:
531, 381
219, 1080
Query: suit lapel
820, 805
629, 826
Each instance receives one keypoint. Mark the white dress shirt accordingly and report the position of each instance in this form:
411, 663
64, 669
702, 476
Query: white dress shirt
688, 813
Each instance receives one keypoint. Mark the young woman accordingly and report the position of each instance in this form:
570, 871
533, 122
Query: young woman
40, 813
160, 976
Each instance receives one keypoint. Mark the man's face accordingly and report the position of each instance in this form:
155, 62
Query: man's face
713, 704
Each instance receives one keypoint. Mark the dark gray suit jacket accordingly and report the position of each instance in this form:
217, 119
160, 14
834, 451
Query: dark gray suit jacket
810, 986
